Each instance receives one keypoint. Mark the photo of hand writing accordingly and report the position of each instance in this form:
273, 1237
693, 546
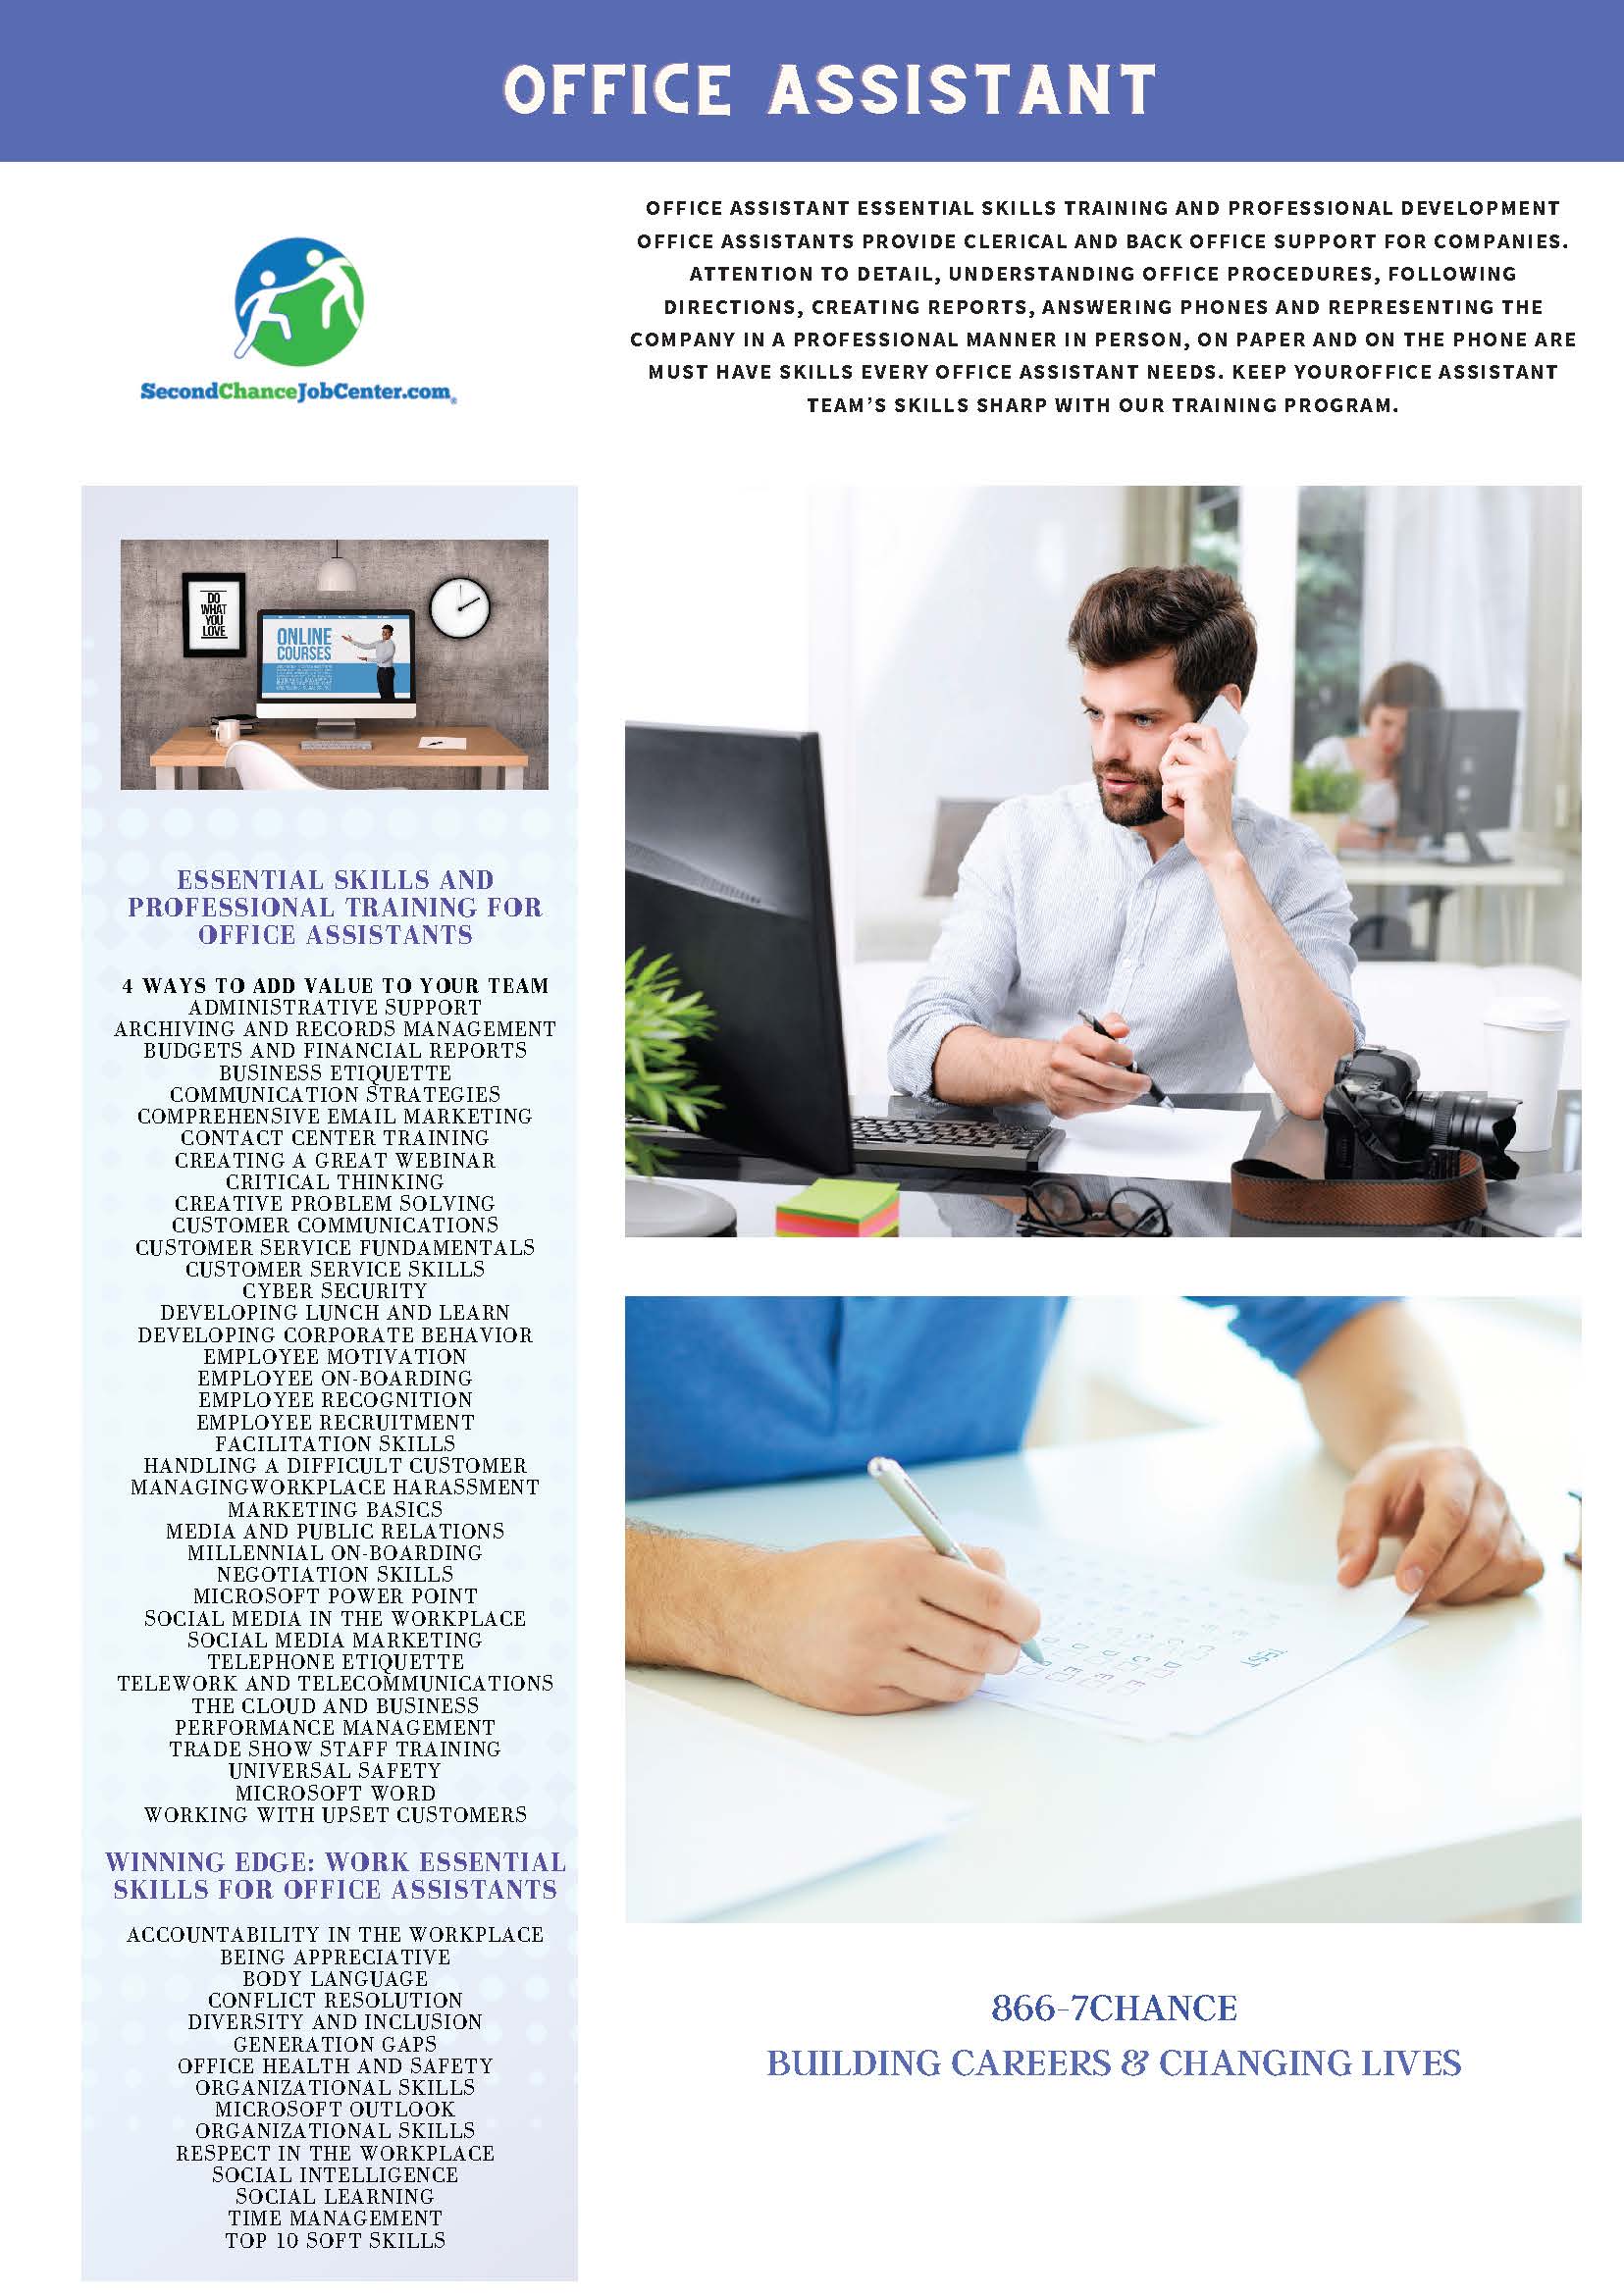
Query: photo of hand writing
848, 1516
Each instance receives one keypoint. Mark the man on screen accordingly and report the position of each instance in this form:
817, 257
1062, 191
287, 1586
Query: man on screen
1205, 934
382, 652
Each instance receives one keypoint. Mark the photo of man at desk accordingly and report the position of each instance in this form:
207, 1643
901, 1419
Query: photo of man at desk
1423, 1766
1205, 932
944, 948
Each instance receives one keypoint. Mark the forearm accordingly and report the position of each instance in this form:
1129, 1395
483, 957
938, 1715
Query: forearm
1379, 1380
976, 1070
685, 1598
1297, 1029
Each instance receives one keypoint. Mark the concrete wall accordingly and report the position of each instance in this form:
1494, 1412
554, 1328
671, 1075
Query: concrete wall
499, 678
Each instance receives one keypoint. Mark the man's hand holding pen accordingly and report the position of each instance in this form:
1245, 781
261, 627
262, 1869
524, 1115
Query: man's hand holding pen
1089, 1068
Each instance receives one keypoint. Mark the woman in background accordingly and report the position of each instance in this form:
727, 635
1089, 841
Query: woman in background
1373, 753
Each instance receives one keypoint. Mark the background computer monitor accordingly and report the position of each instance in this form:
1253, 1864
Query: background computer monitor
727, 873
1459, 771
314, 663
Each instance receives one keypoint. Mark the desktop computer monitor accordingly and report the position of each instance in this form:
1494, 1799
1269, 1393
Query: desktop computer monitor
1459, 771
727, 873
337, 667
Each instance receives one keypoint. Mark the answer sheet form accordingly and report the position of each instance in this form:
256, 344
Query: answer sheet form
1151, 1651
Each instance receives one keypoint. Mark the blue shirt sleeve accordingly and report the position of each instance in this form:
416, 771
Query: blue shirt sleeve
1288, 1330
722, 1390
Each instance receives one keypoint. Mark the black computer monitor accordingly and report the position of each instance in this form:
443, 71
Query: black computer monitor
338, 663
727, 873
1459, 771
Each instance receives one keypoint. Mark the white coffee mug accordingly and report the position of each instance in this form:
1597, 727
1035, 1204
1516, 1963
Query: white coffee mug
229, 730
1524, 1038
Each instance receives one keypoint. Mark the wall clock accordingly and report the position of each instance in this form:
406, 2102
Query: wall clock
460, 608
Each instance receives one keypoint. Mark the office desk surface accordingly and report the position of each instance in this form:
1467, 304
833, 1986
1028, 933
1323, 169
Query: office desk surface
1527, 873
938, 1201
1539, 866
394, 749
944, 1203
1409, 869
1432, 1780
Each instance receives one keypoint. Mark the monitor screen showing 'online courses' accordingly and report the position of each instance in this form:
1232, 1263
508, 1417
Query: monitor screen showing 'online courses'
349, 662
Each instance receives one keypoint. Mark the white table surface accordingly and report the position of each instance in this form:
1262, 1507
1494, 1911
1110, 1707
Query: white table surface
756, 1207
1430, 1781
1529, 872
1410, 868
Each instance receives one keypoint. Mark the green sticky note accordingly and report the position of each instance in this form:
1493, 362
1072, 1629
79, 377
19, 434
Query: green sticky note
848, 1200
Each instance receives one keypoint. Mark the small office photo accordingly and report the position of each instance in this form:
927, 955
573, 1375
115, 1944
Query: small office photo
1082, 1609
334, 662
1093, 861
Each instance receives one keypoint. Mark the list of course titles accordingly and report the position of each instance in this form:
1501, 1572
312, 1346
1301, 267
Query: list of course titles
330, 1426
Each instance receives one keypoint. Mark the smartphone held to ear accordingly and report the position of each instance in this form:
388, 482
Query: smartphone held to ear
1228, 723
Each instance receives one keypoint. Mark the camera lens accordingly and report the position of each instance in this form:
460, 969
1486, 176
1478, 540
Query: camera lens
1467, 1119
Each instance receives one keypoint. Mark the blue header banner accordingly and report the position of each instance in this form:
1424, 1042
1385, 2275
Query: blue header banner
724, 79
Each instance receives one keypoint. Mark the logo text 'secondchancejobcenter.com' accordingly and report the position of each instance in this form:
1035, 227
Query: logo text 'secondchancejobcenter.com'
303, 393
299, 302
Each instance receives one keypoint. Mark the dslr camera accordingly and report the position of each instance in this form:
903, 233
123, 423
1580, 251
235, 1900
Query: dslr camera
1379, 1126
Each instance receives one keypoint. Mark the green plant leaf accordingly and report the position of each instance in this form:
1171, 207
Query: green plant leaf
1325, 788
662, 1016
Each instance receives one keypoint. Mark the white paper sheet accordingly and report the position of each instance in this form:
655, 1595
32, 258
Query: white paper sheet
1151, 1652
1155, 1143
718, 1813
442, 742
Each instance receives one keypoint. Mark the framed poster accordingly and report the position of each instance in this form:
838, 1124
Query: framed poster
213, 619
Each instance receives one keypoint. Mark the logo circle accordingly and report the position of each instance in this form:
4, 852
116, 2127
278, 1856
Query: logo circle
299, 302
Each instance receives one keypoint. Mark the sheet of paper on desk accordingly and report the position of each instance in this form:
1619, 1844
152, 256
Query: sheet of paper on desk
1151, 1651
442, 742
1155, 1143
718, 1813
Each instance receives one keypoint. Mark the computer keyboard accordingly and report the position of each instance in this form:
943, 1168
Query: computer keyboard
319, 743
996, 1143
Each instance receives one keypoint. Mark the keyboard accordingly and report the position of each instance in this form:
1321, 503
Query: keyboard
321, 742
1000, 1141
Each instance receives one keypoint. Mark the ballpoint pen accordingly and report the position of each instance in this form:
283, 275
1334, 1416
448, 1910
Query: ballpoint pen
900, 1487
1156, 1096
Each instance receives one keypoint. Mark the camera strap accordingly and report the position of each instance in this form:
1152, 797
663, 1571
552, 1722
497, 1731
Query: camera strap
1439, 1197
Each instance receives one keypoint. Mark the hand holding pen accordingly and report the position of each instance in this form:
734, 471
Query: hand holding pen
906, 1495
1113, 1026
1088, 1071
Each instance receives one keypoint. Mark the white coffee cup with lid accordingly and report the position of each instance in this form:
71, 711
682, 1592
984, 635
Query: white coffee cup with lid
1524, 1038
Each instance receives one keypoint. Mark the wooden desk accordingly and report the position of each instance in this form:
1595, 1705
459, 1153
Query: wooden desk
1430, 1781
394, 750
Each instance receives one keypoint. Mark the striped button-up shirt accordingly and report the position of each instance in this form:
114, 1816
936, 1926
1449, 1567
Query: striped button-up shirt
1059, 910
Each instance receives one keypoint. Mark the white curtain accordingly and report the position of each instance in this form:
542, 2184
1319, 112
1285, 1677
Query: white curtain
1482, 584
1554, 625
1446, 584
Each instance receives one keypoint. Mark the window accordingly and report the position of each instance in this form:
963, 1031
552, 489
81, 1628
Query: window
1330, 583
1215, 528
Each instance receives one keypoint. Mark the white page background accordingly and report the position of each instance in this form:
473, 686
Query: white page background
694, 2164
